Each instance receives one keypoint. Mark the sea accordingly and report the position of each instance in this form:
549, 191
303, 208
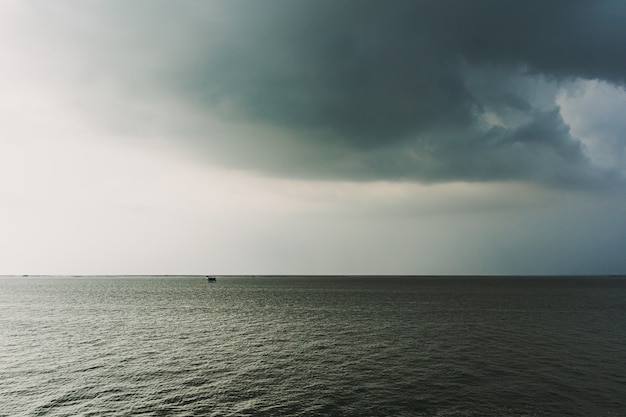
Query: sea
312, 346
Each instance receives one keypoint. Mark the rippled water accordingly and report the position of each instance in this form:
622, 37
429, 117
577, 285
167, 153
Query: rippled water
312, 346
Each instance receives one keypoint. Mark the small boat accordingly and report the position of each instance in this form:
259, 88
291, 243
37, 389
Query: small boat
211, 278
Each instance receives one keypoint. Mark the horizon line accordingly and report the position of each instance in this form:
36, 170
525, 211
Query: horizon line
590, 275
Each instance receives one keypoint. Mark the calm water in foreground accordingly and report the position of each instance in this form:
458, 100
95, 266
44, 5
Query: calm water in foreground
334, 346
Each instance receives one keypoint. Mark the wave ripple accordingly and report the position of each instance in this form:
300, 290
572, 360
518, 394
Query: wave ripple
297, 346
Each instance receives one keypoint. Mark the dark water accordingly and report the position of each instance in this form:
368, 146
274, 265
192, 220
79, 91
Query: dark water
313, 347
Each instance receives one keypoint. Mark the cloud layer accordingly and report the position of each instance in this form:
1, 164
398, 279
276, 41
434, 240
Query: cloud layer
405, 90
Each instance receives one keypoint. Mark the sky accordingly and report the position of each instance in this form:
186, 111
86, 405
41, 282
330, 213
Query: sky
312, 137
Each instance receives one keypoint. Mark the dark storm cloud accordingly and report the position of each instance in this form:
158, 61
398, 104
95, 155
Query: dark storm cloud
562, 38
391, 87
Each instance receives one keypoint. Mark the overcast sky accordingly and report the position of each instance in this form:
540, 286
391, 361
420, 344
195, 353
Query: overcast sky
313, 137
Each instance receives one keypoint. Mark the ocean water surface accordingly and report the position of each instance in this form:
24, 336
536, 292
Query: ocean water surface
312, 346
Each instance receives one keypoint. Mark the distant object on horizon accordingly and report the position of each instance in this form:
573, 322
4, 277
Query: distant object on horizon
211, 278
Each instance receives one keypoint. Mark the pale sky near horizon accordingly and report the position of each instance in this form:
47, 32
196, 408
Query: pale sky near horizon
321, 137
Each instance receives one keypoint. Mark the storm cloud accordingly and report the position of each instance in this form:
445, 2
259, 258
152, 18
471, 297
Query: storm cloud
404, 90
330, 137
